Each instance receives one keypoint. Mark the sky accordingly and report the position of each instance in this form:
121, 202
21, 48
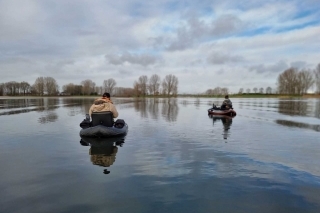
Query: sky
205, 44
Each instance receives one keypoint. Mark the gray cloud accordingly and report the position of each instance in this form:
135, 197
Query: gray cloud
275, 68
299, 64
222, 58
140, 59
196, 30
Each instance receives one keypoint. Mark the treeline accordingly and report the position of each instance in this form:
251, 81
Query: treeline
291, 81
42, 86
224, 91
48, 86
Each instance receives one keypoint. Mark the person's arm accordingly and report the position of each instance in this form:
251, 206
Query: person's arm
114, 111
90, 110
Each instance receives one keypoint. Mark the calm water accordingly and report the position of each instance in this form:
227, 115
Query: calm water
175, 157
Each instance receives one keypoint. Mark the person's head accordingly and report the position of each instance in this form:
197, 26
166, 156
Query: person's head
106, 95
226, 97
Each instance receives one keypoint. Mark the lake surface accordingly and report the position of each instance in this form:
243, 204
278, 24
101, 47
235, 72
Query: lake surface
175, 158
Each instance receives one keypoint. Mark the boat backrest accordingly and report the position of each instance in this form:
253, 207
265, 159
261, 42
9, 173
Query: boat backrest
102, 118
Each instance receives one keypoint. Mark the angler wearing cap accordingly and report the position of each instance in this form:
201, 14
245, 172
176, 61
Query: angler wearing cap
103, 104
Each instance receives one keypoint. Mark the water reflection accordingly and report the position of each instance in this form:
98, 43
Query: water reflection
226, 122
170, 109
299, 125
150, 107
103, 150
77, 106
317, 111
17, 106
293, 107
48, 117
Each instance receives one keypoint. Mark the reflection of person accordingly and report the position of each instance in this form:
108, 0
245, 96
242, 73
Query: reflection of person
103, 156
226, 122
227, 104
103, 104
103, 151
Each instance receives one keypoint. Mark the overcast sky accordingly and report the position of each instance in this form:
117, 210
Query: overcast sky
205, 43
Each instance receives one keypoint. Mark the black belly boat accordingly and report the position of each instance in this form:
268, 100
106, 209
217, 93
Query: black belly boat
223, 112
102, 125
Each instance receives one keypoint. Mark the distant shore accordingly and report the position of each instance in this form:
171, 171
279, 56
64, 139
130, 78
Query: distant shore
177, 96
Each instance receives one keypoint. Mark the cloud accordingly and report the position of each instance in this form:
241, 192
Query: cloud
140, 59
278, 67
205, 42
196, 30
223, 58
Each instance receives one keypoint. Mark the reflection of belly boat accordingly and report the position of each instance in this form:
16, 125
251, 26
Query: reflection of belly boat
227, 112
103, 131
102, 125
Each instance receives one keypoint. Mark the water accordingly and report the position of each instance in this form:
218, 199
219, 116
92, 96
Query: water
175, 157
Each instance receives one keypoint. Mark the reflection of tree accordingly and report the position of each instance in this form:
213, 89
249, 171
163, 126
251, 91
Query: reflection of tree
151, 106
317, 111
299, 125
49, 117
170, 109
140, 105
77, 105
226, 122
42, 105
47, 107
154, 108
197, 103
293, 107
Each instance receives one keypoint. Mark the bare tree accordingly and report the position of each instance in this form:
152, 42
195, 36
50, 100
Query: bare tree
261, 90
39, 86
292, 81
217, 91
209, 92
137, 88
248, 91
268, 90
255, 90
240, 91
143, 82
317, 78
2, 89
109, 85
224, 91
154, 84
287, 81
170, 84
25, 87
88, 87
51, 86
11, 87
68, 88
305, 81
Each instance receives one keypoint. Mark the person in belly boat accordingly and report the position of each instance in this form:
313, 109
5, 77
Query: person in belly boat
227, 104
103, 104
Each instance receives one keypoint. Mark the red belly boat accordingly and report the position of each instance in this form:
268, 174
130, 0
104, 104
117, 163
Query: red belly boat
227, 112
